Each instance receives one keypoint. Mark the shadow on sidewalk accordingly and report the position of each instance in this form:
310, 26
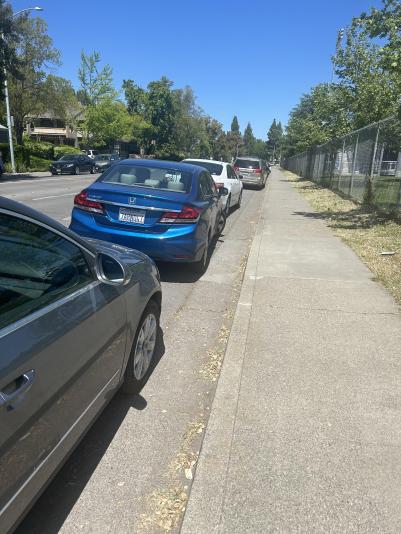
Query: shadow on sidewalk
360, 217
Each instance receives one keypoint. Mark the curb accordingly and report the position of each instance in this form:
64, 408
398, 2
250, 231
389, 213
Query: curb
206, 499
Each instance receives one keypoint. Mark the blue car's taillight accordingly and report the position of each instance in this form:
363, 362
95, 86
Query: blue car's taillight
188, 214
81, 201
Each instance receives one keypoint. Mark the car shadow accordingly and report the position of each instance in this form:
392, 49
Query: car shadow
184, 273
54, 505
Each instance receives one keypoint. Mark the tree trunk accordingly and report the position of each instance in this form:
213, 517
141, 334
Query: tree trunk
19, 130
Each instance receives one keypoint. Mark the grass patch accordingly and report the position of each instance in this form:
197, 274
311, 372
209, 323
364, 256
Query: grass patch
367, 231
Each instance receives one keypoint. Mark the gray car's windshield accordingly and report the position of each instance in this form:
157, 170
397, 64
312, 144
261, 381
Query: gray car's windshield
151, 177
102, 157
213, 168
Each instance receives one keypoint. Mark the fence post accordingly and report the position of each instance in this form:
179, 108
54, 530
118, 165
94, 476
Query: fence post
353, 166
340, 170
398, 172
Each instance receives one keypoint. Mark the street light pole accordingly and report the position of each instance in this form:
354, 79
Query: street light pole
6, 95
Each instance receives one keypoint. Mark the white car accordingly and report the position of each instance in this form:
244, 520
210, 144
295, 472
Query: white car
224, 176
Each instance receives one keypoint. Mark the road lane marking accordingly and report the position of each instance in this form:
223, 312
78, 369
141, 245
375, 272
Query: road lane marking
54, 196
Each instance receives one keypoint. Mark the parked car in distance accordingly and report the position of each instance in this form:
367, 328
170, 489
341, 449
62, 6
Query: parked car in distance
171, 211
78, 319
223, 175
252, 171
91, 153
104, 161
72, 164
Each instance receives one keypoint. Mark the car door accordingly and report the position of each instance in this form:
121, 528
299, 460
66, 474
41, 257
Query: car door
235, 184
82, 163
208, 198
62, 343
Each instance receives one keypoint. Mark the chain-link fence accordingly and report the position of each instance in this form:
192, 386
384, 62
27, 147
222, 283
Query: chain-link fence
364, 165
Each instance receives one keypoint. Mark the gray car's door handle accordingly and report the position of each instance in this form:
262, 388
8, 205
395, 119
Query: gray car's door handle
21, 384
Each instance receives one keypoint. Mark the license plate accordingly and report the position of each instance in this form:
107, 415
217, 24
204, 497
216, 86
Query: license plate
131, 216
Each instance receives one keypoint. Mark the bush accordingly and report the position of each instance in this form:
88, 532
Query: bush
39, 164
65, 149
40, 149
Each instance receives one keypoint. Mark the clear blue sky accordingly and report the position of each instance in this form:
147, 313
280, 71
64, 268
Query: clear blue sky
253, 59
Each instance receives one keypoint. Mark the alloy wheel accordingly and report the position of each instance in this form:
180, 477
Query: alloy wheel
145, 346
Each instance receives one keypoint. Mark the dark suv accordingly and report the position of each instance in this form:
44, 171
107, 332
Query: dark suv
252, 171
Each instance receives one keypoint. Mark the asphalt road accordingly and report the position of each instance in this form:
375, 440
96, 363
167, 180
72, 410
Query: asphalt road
128, 473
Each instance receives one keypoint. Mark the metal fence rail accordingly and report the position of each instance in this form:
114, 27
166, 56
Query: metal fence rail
364, 165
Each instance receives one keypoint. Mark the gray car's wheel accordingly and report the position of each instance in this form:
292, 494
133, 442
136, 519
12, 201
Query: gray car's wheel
239, 200
92, 171
143, 350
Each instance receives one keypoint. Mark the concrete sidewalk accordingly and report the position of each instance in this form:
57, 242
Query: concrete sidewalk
305, 429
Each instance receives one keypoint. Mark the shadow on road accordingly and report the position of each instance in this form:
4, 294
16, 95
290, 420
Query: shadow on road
184, 273
53, 507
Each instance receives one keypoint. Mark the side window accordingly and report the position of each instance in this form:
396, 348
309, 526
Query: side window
205, 186
212, 185
37, 267
230, 173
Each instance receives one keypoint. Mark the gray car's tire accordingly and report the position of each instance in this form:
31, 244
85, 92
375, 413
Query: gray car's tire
239, 200
92, 171
76, 169
143, 350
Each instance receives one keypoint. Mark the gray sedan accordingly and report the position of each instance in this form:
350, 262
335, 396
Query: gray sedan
78, 319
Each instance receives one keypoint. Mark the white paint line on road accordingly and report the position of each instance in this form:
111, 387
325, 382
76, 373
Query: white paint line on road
54, 196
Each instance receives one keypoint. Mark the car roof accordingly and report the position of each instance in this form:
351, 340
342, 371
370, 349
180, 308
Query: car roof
22, 209
249, 157
162, 164
204, 160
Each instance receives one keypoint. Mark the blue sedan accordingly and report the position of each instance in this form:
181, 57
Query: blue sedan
170, 211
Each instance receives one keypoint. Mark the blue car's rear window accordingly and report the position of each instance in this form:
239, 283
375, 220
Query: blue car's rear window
150, 177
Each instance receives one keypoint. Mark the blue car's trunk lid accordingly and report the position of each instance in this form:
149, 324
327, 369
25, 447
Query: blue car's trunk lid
134, 207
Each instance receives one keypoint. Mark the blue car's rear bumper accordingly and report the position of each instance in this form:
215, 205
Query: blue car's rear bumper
180, 243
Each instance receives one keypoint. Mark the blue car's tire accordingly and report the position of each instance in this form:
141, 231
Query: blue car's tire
199, 267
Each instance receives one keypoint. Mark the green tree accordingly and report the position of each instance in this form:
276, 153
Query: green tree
9, 38
109, 121
322, 115
385, 24
373, 89
96, 83
275, 138
35, 53
135, 97
235, 126
249, 141
160, 113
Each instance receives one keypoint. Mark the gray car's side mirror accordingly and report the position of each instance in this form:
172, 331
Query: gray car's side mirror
111, 271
